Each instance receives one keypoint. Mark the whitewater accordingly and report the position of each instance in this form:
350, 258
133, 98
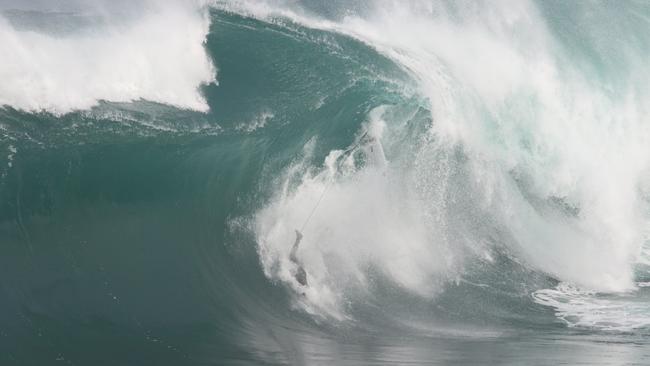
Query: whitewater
472, 180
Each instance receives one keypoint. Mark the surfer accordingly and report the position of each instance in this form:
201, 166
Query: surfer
300, 274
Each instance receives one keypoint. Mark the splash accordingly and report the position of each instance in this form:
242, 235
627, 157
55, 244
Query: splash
527, 152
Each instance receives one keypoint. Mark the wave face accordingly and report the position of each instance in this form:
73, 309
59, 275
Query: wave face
472, 180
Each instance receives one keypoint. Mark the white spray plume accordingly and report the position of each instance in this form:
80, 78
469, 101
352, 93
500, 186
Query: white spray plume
155, 53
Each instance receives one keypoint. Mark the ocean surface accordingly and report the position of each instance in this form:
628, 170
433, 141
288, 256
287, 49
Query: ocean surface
472, 180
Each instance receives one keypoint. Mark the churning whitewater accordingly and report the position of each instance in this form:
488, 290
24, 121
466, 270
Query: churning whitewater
324, 182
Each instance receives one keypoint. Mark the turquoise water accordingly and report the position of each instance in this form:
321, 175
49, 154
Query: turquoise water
493, 207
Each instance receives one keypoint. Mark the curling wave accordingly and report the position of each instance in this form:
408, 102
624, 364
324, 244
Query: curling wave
468, 172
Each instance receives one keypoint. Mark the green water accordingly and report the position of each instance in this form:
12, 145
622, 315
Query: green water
133, 233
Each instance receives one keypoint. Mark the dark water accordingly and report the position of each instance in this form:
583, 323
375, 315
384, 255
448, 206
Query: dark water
130, 235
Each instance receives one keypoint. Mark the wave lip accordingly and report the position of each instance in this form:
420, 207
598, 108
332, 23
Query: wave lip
157, 56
